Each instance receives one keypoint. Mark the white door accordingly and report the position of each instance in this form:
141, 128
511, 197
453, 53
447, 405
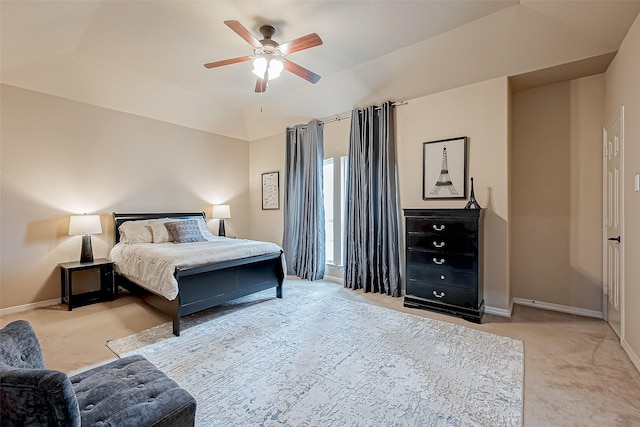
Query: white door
613, 265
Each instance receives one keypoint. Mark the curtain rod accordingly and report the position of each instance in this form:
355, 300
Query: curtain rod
347, 114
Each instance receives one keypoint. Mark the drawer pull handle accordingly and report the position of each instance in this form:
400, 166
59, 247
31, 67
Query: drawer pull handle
438, 227
438, 262
438, 245
442, 277
438, 295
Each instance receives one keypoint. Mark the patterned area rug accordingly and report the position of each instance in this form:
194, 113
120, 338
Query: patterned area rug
317, 360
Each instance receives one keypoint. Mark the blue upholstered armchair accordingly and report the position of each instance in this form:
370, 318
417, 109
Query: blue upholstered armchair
127, 392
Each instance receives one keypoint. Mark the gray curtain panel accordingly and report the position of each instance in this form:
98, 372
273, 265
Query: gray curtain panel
372, 232
303, 241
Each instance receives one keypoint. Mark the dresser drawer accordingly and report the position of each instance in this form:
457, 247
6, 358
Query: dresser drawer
457, 262
442, 226
460, 297
442, 244
441, 276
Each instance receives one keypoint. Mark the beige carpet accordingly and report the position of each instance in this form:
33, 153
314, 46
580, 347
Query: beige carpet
576, 371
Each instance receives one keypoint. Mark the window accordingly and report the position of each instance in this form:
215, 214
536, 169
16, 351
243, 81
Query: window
335, 180
328, 210
344, 169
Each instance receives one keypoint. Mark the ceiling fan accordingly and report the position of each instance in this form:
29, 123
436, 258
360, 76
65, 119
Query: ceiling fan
268, 55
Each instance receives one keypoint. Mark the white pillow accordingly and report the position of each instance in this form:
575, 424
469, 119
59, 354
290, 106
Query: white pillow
159, 231
135, 232
204, 229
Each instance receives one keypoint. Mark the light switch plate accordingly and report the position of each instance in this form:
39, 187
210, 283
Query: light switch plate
636, 182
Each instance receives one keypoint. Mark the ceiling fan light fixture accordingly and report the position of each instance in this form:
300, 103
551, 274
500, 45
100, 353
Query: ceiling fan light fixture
275, 68
259, 66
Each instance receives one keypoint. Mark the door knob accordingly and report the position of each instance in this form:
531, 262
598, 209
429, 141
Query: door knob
617, 239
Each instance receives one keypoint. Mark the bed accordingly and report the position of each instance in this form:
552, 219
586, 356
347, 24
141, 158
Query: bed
199, 286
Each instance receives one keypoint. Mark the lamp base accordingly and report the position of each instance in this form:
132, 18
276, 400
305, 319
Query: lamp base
86, 254
221, 232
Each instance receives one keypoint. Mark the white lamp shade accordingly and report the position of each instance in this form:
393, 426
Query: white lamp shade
221, 212
84, 224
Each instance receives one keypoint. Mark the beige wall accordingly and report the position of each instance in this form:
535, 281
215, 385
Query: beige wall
336, 138
479, 111
557, 193
623, 89
61, 157
266, 155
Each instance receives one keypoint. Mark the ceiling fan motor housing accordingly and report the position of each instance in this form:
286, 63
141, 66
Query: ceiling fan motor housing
267, 31
269, 46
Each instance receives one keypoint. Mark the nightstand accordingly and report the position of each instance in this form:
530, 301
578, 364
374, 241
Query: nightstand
107, 289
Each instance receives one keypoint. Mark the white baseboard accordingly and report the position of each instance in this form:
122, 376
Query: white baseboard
558, 307
25, 307
498, 311
632, 355
334, 279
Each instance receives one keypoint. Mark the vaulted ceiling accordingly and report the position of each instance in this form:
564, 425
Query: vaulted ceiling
146, 57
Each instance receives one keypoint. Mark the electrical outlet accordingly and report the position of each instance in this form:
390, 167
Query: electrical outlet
636, 182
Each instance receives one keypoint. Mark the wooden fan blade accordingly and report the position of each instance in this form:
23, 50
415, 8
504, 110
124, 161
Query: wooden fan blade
243, 32
296, 69
228, 62
305, 42
261, 84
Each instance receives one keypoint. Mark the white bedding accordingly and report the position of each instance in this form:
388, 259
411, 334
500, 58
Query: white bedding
152, 265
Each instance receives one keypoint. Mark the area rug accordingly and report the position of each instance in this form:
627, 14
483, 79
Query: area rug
316, 360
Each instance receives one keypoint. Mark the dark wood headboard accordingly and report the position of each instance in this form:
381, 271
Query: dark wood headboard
120, 218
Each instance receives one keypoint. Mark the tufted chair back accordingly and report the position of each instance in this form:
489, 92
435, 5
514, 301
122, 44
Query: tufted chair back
29, 394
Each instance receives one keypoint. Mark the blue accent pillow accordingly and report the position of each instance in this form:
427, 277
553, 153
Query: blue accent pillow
186, 231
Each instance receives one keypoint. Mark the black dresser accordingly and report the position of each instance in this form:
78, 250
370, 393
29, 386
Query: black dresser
444, 261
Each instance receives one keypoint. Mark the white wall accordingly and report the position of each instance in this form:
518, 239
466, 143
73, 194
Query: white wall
623, 89
62, 157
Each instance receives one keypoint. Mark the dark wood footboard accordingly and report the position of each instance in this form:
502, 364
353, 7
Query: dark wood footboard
210, 285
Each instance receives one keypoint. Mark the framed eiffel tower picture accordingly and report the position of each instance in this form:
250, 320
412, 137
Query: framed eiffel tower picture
444, 169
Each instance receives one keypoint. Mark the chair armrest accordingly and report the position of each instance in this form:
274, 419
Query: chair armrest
19, 346
37, 397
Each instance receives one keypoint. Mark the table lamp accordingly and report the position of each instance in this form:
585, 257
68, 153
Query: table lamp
221, 212
85, 225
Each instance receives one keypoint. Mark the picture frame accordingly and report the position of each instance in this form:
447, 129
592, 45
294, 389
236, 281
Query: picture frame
444, 169
271, 190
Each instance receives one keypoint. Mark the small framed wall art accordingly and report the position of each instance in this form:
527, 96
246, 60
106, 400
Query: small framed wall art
271, 190
444, 169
